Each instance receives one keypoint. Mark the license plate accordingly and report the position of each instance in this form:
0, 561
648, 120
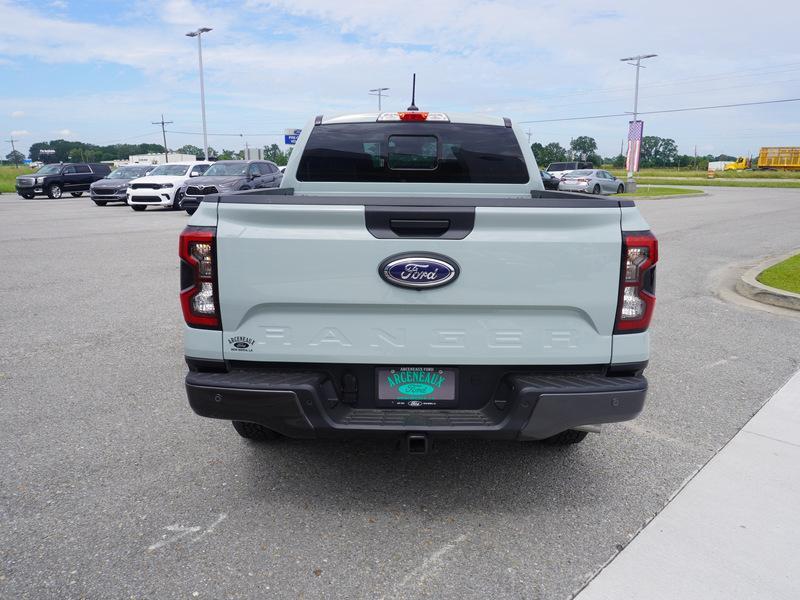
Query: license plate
416, 387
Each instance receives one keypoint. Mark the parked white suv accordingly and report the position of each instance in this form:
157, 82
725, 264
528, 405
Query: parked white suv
161, 186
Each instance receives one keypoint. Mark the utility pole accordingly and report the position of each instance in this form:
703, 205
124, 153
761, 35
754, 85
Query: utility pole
529, 133
695, 157
162, 122
379, 93
199, 34
14, 152
638, 66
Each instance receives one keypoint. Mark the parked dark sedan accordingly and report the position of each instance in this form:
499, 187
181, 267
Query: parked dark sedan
229, 176
550, 182
112, 188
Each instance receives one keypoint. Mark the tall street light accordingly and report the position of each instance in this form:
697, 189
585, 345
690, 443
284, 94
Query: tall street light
379, 93
638, 65
198, 34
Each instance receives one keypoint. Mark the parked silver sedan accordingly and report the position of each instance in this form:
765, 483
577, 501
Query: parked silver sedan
594, 181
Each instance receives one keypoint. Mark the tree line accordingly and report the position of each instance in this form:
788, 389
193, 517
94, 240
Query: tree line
655, 152
73, 151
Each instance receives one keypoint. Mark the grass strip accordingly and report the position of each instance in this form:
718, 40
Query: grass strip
784, 276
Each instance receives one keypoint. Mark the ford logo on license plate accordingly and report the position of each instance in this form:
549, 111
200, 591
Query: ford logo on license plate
419, 270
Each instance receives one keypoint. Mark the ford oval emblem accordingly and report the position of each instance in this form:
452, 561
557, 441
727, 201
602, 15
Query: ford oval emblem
419, 271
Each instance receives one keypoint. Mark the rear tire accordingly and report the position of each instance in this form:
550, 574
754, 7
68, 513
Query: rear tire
596, 189
621, 189
138, 207
255, 432
54, 191
566, 438
100, 202
76, 194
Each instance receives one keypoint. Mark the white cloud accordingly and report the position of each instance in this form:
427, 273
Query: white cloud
17, 114
65, 133
20, 132
270, 63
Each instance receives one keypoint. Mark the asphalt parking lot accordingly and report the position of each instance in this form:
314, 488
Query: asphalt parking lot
113, 488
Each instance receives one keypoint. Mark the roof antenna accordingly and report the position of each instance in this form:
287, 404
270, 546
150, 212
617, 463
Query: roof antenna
413, 93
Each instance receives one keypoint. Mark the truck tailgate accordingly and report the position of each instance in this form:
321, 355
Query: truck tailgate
299, 282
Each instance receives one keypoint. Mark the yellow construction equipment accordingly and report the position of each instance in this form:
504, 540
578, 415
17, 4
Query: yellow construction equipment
784, 157
774, 158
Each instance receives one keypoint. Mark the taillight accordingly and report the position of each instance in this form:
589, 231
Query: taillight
637, 290
199, 292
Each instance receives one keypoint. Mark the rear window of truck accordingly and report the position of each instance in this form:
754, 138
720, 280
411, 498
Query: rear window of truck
413, 152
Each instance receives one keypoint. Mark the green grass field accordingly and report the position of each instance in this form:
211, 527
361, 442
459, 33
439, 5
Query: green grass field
785, 275
691, 173
8, 175
644, 191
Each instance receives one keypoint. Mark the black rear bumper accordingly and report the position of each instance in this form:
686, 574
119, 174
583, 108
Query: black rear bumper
307, 404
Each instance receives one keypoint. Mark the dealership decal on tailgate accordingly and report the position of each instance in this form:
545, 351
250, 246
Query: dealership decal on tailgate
416, 387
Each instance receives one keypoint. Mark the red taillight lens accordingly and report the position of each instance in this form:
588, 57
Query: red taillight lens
637, 290
199, 293
413, 116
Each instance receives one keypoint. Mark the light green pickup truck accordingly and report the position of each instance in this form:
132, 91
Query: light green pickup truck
411, 278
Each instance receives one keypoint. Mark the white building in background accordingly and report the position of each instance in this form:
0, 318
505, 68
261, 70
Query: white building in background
158, 159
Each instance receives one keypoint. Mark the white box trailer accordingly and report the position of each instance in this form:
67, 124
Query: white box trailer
718, 165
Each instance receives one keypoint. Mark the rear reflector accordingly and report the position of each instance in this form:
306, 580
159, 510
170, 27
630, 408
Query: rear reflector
637, 293
199, 293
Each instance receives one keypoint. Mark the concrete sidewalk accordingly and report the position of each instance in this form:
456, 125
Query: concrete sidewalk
733, 531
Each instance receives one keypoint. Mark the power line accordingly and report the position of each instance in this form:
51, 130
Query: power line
758, 72
671, 110
162, 122
226, 134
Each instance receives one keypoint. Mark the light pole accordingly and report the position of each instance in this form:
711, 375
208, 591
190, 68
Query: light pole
638, 65
198, 34
379, 93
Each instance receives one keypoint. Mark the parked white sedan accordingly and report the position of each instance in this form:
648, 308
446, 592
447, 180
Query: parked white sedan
161, 187
593, 181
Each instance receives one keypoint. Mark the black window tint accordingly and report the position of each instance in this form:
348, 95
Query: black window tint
69, 170
82, 169
417, 152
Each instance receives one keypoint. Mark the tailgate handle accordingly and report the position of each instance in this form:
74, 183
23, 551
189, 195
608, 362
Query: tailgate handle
419, 227
387, 222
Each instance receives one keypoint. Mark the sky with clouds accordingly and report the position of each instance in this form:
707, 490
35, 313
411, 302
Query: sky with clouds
102, 72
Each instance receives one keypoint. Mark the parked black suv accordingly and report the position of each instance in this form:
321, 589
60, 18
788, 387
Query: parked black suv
54, 180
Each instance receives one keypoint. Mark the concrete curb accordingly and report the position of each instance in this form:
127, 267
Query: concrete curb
749, 287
